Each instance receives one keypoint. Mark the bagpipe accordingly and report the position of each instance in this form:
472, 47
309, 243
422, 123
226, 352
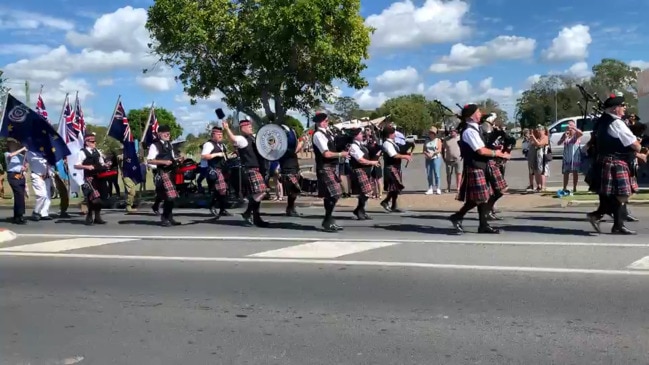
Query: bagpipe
588, 97
448, 127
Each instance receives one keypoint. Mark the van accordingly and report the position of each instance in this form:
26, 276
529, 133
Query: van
559, 127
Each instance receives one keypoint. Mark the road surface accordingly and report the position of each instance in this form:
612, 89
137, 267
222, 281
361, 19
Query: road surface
395, 290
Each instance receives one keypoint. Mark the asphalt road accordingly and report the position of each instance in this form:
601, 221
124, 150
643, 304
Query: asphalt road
395, 290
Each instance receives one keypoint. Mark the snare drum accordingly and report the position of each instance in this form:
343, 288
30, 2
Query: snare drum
183, 171
308, 182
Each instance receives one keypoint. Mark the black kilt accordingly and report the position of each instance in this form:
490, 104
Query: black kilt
329, 183
92, 188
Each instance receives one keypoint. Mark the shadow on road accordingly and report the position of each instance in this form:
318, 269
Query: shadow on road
414, 228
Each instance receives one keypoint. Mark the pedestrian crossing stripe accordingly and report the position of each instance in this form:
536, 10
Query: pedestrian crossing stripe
65, 245
323, 249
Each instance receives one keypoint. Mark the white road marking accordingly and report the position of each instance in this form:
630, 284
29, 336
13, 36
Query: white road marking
642, 264
64, 245
323, 249
468, 241
249, 260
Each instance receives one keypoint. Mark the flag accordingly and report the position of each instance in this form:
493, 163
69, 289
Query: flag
79, 123
68, 121
151, 134
40, 107
121, 131
31, 129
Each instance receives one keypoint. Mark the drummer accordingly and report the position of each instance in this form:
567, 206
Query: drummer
161, 154
214, 153
254, 166
289, 165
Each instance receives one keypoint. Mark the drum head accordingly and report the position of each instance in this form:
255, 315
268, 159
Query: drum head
272, 142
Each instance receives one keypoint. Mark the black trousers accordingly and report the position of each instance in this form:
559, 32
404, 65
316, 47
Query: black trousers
18, 187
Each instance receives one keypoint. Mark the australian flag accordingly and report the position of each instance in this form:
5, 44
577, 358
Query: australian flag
40, 107
151, 134
121, 131
32, 130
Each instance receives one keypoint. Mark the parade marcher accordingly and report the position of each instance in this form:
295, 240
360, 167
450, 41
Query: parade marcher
41, 175
129, 185
496, 138
289, 165
327, 159
255, 170
482, 181
392, 177
161, 154
16, 167
90, 160
361, 168
617, 148
214, 153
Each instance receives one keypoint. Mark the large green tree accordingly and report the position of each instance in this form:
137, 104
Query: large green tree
410, 112
492, 106
137, 119
345, 107
262, 51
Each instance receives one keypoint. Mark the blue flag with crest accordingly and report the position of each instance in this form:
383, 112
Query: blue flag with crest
32, 130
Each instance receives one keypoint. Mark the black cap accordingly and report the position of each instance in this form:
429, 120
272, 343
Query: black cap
614, 100
163, 129
355, 132
319, 117
468, 110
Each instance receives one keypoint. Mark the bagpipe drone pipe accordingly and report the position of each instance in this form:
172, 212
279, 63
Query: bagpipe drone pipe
342, 138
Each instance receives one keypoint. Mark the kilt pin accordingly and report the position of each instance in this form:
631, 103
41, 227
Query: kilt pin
616, 179
329, 183
392, 179
218, 181
256, 182
165, 186
479, 185
362, 180
92, 189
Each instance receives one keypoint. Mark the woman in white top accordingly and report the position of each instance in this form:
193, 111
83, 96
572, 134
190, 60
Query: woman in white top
433, 154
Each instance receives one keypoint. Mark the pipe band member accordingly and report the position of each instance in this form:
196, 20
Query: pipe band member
361, 165
392, 177
90, 160
617, 149
482, 181
161, 154
289, 165
254, 168
326, 162
216, 155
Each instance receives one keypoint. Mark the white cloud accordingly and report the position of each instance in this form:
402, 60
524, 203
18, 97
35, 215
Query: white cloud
397, 79
161, 79
643, 65
570, 45
463, 57
580, 70
532, 80
24, 49
403, 25
16, 19
105, 82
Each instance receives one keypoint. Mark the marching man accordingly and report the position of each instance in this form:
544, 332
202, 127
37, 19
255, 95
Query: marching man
362, 168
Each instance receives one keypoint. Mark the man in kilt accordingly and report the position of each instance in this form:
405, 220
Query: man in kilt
482, 180
90, 160
617, 149
289, 165
496, 139
215, 154
254, 168
326, 163
392, 177
161, 154
361, 171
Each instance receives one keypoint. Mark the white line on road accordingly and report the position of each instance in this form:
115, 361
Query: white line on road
309, 239
64, 245
642, 264
323, 249
519, 269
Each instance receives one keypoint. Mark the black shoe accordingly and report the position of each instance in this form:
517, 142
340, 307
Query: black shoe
385, 206
247, 218
292, 213
174, 222
457, 223
358, 214
328, 226
165, 223
396, 210
623, 231
493, 217
156, 209
98, 220
594, 221
630, 218
46, 218
89, 221
224, 213
36, 217
19, 220
64, 215
488, 229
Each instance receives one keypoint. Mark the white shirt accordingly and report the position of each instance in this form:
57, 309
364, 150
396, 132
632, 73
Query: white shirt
389, 148
355, 151
38, 164
320, 140
240, 142
472, 136
618, 129
153, 153
81, 155
399, 138
208, 147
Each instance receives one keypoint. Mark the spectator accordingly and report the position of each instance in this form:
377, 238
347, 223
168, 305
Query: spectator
452, 159
571, 141
433, 153
538, 159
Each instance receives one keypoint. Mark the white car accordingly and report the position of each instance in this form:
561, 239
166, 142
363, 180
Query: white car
557, 129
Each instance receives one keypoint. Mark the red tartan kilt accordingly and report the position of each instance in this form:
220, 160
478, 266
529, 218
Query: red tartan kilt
329, 183
392, 179
92, 189
616, 179
165, 187
474, 186
291, 183
256, 183
496, 178
362, 183
218, 181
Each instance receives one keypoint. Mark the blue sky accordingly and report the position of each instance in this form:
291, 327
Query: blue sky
454, 51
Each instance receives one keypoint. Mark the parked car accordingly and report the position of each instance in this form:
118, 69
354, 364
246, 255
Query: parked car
557, 129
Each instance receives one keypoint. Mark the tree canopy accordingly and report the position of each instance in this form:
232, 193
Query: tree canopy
261, 51
537, 104
137, 119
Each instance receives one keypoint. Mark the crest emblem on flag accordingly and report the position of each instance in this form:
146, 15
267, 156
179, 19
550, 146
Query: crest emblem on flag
18, 114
